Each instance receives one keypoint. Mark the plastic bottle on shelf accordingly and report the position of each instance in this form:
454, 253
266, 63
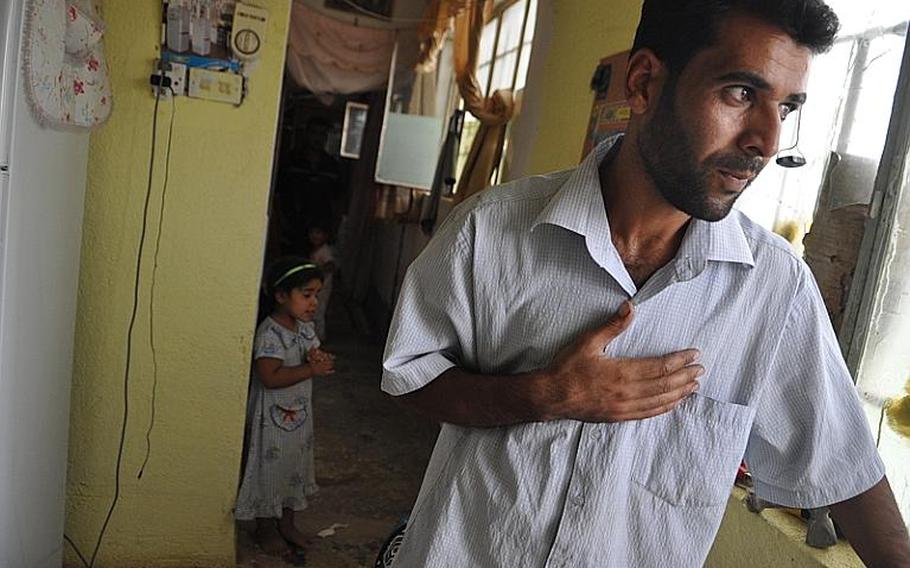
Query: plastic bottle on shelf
185, 24
200, 28
177, 21
214, 17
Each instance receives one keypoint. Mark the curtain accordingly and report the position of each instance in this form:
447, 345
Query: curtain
326, 55
493, 112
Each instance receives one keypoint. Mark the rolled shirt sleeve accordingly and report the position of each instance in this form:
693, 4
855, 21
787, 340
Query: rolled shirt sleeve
432, 328
810, 445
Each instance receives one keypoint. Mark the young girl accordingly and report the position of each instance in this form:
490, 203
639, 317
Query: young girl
279, 474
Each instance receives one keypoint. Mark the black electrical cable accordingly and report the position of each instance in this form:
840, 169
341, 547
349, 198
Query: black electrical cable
167, 168
129, 340
76, 548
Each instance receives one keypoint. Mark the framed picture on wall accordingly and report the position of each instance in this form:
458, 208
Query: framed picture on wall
378, 7
355, 123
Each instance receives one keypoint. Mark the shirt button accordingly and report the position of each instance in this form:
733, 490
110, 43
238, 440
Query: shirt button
578, 499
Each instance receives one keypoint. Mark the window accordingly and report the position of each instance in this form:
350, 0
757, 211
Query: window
883, 374
878, 325
871, 135
502, 59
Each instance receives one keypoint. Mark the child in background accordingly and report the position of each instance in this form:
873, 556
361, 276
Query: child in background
279, 475
321, 254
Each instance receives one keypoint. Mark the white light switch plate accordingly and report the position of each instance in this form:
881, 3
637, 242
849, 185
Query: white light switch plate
216, 85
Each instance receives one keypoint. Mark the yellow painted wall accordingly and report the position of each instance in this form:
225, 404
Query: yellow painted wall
581, 34
179, 513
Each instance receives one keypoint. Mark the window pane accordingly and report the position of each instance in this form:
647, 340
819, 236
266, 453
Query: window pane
532, 20
856, 17
487, 39
510, 32
504, 70
525, 60
471, 125
483, 75
522, 78
874, 98
885, 369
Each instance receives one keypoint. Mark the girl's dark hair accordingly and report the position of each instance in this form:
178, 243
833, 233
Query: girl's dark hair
675, 30
285, 274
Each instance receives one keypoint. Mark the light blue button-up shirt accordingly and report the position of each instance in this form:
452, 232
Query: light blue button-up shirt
519, 271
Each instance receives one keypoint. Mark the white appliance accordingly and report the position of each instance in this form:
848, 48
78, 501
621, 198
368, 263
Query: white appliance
42, 185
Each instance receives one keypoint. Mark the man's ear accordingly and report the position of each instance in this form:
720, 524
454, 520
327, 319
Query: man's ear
645, 75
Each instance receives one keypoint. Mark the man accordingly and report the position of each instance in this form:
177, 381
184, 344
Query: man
606, 452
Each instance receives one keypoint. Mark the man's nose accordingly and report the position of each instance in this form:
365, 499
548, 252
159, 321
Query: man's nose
762, 135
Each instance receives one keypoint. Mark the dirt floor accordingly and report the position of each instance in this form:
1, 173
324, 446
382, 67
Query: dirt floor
370, 459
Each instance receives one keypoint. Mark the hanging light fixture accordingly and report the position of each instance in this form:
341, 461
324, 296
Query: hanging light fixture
791, 157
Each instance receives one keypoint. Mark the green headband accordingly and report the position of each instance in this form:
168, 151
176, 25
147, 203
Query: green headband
293, 271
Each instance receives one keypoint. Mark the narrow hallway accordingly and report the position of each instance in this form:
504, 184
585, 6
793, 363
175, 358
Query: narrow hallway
370, 458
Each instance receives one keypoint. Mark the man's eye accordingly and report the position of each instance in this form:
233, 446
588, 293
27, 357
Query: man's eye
740, 94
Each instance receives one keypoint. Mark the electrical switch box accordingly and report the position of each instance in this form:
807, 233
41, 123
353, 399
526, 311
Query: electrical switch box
176, 72
216, 85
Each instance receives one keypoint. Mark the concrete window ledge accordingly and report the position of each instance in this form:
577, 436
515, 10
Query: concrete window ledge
771, 538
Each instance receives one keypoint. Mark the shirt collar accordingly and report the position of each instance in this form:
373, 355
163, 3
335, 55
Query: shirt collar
719, 241
578, 206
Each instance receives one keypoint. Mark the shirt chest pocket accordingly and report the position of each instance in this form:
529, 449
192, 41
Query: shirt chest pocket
689, 457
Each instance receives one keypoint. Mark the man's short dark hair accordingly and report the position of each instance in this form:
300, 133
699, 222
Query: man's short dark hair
675, 30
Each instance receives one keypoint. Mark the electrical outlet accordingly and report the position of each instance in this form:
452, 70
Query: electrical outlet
215, 85
176, 73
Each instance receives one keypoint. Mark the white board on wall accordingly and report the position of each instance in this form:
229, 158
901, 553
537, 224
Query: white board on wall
409, 150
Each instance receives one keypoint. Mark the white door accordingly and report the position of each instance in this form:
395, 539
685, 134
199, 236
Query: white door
41, 199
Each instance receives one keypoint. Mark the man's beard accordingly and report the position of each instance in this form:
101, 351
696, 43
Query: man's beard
666, 150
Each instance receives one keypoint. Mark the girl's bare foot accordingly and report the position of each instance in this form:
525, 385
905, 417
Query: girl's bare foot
269, 538
289, 531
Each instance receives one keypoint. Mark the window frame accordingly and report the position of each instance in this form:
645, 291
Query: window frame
874, 254
496, 16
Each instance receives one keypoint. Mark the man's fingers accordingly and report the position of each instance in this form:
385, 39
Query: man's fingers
648, 368
601, 337
655, 405
643, 414
667, 383
662, 401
